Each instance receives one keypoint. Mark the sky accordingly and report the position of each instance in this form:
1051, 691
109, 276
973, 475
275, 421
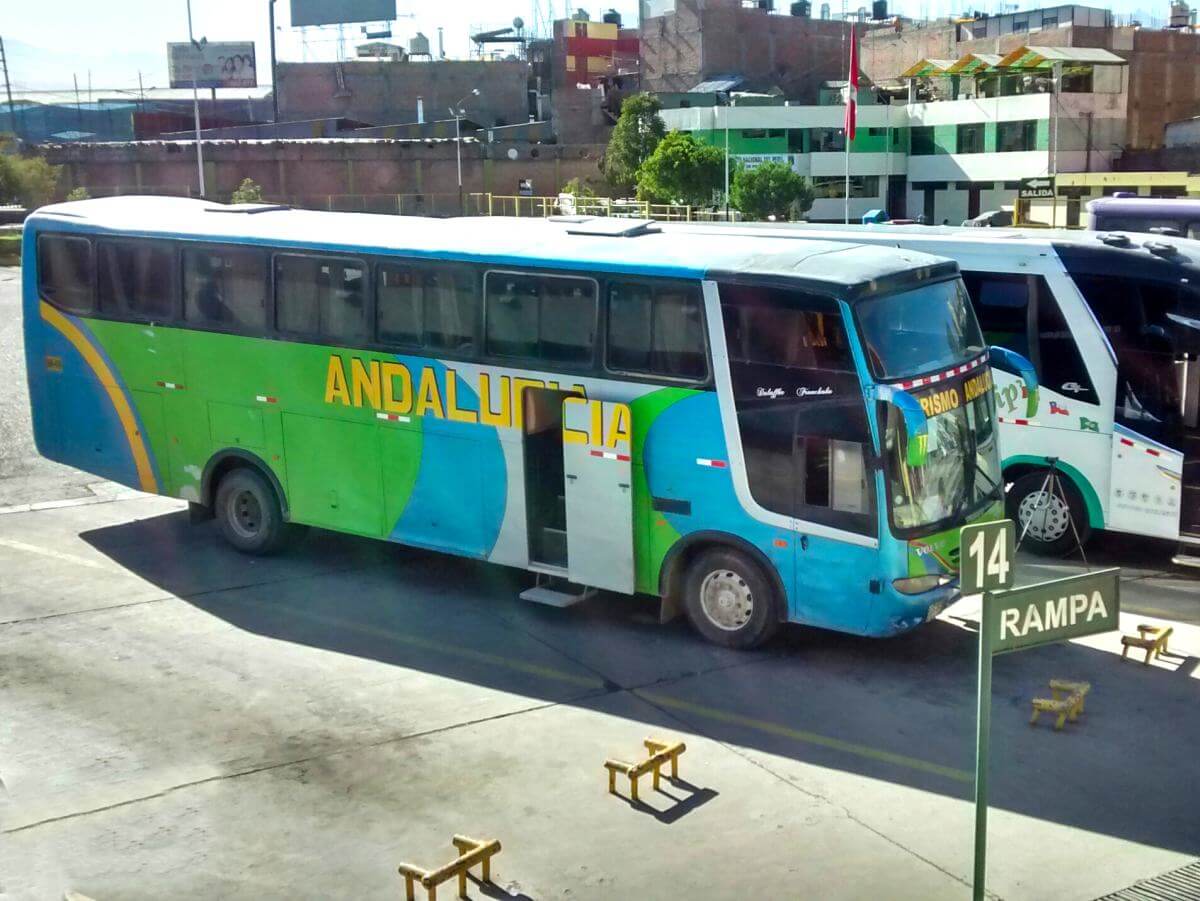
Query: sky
48, 42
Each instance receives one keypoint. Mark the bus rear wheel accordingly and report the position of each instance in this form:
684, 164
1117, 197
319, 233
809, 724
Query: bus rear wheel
1048, 514
249, 514
730, 600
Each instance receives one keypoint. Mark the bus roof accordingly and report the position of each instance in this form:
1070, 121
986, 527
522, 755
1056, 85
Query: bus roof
950, 240
844, 268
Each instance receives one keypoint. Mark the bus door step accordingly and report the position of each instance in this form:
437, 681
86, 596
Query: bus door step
557, 594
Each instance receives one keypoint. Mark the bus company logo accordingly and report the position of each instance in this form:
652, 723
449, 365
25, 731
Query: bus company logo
823, 391
772, 393
1074, 387
1010, 395
388, 386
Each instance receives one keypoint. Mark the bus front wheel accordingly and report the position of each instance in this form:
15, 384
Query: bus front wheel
1046, 516
249, 514
730, 600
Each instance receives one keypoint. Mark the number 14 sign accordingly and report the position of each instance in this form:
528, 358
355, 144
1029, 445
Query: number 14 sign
987, 550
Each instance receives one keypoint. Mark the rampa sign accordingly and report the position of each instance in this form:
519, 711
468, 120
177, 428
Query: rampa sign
1052, 611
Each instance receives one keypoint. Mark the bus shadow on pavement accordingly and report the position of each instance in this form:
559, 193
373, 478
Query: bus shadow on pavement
899, 710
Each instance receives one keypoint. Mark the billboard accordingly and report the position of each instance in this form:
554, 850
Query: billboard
335, 12
214, 64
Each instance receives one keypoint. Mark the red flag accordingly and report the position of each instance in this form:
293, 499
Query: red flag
852, 88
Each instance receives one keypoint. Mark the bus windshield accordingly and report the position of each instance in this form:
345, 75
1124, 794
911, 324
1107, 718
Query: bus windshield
924, 330
961, 473
920, 330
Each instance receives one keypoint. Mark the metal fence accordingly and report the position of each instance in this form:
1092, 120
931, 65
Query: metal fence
472, 204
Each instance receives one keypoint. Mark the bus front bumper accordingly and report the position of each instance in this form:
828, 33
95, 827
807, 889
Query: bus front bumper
895, 613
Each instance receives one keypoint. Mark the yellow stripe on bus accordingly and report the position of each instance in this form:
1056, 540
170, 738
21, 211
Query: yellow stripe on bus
137, 445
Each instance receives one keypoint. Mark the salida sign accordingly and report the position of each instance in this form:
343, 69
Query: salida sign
1041, 188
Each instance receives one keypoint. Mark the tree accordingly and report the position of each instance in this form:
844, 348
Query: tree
579, 187
770, 189
681, 170
248, 192
635, 136
29, 181
79, 193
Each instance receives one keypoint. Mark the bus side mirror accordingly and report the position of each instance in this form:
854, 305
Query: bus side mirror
915, 422
1012, 362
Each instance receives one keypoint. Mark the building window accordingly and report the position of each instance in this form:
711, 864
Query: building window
135, 279
830, 186
1012, 137
65, 272
877, 132
1049, 20
922, 141
225, 288
827, 140
970, 138
1077, 80
775, 132
795, 139
753, 133
656, 329
1020, 25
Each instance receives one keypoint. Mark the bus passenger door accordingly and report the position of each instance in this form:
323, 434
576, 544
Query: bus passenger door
598, 493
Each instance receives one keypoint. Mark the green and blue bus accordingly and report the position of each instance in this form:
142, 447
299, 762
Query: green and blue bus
755, 431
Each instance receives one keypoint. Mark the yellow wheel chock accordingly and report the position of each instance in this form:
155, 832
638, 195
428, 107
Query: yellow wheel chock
1066, 703
471, 851
1151, 639
660, 753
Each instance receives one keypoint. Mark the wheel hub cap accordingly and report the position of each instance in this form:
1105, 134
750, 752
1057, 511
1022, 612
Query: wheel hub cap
245, 514
726, 600
1044, 516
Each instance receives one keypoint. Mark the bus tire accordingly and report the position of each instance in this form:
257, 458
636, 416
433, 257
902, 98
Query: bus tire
730, 600
249, 514
1050, 533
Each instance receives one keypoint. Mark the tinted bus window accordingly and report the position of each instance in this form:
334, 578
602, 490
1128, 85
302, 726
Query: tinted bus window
321, 296
398, 305
136, 280
225, 288
799, 406
65, 272
656, 329
1002, 305
450, 306
545, 317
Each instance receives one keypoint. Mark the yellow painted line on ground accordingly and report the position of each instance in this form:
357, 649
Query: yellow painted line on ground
450, 650
801, 735
54, 555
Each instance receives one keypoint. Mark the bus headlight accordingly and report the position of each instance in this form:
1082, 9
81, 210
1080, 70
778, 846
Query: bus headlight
921, 584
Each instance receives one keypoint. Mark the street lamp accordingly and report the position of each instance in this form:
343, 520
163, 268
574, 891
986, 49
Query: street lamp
198, 47
458, 112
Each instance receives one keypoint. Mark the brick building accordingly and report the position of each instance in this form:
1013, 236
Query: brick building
1164, 64
701, 39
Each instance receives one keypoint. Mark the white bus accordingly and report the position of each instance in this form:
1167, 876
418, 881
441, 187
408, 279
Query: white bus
1112, 325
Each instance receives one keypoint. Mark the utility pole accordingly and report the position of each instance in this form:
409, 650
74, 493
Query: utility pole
12, 113
274, 80
196, 98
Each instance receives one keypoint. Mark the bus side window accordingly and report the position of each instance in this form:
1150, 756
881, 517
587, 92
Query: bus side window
398, 305
656, 329
545, 317
1002, 303
800, 410
226, 288
65, 272
135, 280
1133, 313
321, 296
450, 307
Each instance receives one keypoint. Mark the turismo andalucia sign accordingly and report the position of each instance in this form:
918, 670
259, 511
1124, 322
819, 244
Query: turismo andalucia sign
1016, 619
